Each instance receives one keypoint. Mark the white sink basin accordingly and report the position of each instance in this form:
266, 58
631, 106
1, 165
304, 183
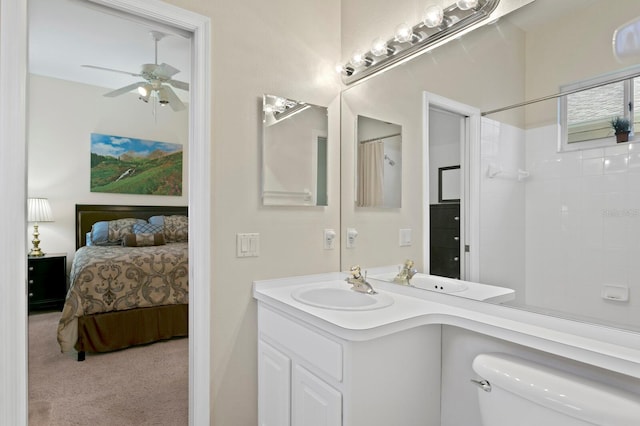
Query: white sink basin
442, 285
339, 296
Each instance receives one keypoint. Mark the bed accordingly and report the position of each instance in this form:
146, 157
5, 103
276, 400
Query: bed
121, 296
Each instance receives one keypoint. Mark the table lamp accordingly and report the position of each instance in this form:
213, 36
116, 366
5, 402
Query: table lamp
38, 210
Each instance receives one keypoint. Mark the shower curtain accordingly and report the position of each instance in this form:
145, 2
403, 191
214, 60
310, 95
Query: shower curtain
370, 174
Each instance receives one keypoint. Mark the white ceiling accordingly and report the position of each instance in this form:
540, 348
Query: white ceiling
65, 34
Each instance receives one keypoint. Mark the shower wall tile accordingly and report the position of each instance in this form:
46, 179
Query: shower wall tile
616, 150
582, 226
592, 153
634, 160
502, 201
616, 163
592, 166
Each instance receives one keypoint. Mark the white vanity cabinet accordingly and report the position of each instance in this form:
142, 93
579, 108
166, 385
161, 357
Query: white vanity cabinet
289, 394
274, 384
309, 377
290, 359
314, 402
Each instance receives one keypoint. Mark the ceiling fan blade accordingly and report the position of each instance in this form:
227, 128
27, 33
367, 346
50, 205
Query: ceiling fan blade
174, 102
112, 70
179, 84
165, 71
125, 89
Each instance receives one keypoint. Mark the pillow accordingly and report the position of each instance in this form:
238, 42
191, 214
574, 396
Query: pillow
88, 241
147, 228
143, 240
111, 232
156, 220
176, 227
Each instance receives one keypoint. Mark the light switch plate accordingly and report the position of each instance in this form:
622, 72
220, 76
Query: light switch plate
405, 237
248, 245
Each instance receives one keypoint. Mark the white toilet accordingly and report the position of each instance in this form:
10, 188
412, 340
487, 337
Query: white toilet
513, 391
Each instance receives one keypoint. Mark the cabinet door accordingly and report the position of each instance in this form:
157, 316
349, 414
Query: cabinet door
315, 403
274, 386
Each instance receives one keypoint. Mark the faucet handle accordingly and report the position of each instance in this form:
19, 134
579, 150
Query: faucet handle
355, 271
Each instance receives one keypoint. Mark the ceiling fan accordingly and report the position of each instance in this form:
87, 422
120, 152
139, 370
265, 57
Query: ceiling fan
157, 80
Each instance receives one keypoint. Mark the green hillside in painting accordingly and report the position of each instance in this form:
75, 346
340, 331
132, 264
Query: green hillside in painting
156, 174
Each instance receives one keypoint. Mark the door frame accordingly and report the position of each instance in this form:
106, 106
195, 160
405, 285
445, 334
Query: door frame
13, 193
470, 191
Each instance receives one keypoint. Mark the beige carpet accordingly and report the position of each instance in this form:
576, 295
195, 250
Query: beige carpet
146, 385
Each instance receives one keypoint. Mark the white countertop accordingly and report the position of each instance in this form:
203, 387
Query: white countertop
609, 348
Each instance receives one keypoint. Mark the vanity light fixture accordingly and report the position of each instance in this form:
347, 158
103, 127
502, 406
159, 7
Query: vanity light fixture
276, 108
437, 27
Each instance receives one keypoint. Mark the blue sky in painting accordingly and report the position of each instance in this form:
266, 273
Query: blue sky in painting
115, 146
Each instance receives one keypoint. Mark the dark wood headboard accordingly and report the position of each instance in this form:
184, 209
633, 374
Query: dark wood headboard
88, 214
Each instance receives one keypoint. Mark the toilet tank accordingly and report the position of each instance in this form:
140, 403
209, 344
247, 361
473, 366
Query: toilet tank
524, 393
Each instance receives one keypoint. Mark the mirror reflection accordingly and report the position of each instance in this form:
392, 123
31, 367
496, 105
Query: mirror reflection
449, 184
379, 163
555, 224
294, 153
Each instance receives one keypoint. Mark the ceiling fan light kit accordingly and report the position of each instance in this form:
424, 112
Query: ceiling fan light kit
158, 82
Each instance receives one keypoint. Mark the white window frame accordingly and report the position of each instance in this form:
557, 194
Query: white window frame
563, 144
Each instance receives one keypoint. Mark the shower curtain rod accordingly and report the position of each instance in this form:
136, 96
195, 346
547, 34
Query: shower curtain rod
568, 92
380, 138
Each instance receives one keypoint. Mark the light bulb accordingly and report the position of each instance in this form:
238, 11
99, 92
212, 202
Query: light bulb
433, 16
143, 91
357, 58
379, 47
466, 4
404, 33
279, 104
268, 109
339, 68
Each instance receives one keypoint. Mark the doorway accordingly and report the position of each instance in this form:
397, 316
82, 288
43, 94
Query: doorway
13, 117
451, 162
447, 131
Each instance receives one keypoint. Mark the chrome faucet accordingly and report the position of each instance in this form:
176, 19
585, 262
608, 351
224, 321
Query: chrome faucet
407, 271
358, 282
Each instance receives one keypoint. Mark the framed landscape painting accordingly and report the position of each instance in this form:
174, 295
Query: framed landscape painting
126, 165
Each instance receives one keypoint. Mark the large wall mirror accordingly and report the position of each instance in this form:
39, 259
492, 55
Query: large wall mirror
558, 227
294, 153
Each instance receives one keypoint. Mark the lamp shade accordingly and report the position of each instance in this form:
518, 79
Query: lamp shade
39, 210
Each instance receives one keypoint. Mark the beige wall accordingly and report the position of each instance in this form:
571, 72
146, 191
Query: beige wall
62, 116
574, 48
285, 48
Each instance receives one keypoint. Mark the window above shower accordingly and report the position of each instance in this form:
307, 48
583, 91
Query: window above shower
586, 112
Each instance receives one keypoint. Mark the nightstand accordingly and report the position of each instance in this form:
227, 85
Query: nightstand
47, 281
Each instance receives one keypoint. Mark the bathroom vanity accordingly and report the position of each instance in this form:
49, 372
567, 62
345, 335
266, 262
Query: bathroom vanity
326, 361
311, 374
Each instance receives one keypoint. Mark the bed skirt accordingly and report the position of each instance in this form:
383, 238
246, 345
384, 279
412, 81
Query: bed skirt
121, 329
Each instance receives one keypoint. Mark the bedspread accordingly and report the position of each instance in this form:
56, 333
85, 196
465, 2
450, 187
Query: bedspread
105, 279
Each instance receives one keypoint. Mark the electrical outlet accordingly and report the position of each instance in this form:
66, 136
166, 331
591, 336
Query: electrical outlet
352, 234
329, 239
